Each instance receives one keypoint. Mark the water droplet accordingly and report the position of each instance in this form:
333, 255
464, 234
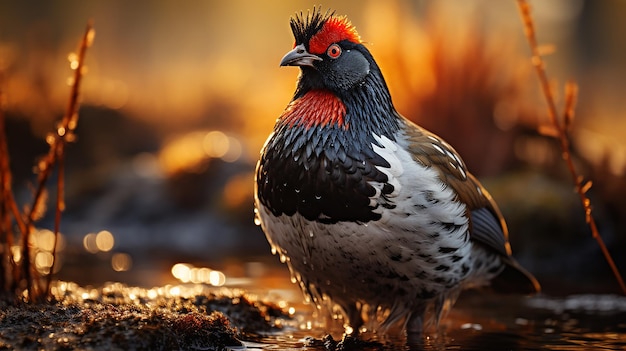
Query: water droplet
274, 250
318, 197
283, 258
296, 278
296, 157
311, 233
257, 218
297, 191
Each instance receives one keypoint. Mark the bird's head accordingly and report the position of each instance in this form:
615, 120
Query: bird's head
329, 51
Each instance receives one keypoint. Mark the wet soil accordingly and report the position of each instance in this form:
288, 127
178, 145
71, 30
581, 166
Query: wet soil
117, 317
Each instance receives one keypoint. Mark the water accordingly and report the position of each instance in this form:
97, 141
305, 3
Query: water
482, 321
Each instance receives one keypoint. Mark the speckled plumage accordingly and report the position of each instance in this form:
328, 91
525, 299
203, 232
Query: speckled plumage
365, 207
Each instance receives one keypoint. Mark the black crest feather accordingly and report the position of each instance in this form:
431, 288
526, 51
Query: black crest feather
305, 27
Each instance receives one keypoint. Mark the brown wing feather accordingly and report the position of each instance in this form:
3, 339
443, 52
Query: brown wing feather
487, 225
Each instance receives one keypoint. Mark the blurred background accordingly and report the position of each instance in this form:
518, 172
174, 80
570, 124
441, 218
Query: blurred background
180, 96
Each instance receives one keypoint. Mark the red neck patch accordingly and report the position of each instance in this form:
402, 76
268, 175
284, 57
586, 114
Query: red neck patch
334, 30
315, 108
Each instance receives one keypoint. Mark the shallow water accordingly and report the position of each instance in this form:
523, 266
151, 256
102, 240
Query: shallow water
493, 322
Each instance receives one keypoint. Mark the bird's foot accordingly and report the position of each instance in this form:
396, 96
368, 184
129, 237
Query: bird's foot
350, 342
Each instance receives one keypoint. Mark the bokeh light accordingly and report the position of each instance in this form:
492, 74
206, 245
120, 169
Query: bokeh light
217, 278
43, 262
187, 273
181, 272
105, 241
191, 151
121, 262
215, 144
42, 242
89, 243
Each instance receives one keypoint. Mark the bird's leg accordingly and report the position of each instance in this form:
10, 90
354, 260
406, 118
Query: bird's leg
355, 320
415, 327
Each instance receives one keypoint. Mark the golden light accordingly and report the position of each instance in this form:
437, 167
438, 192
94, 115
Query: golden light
175, 291
194, 276
234, 150
181, 272
121, 262
198, 275
183, 153
44, 239
73, 58
89, 243
187, 152
16, 251
105, 241
152, 294
238, 191
217, 278
203, 275
43, 262
108, 92
216, 144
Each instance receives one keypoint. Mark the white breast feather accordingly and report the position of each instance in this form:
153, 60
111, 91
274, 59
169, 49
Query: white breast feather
422, 200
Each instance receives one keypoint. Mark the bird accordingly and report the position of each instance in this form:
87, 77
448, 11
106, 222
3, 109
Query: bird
371, 212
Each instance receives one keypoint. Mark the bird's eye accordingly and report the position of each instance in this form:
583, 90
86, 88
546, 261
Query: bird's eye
333, 51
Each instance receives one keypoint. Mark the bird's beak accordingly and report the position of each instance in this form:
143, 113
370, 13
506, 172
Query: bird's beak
299, 57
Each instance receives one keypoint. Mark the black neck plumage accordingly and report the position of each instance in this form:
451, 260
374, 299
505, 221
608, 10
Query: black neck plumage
324, 172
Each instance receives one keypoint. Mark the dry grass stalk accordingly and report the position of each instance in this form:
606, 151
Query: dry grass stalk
68, 127
560, 130
53, 159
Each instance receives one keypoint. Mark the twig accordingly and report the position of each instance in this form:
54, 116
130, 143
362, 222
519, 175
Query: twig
65, 134
561, 130
9, 205
57, 141
5, 219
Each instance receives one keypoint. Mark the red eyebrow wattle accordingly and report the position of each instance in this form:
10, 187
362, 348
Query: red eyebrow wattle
334, 30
